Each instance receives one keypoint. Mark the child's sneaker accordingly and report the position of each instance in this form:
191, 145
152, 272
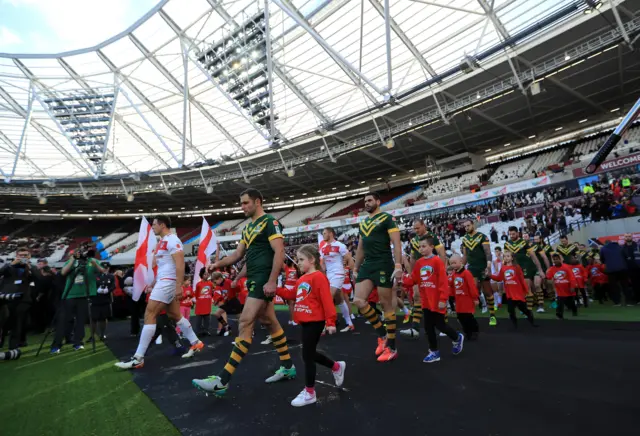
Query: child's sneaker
433, 356
459, 344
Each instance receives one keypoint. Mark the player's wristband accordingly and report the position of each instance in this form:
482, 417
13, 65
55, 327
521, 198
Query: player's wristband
398, 265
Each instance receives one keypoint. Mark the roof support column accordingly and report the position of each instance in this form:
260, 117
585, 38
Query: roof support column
23, 135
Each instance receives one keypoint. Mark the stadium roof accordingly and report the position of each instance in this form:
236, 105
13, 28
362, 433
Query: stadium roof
329, 84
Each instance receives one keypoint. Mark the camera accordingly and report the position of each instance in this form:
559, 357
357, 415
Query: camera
82, 255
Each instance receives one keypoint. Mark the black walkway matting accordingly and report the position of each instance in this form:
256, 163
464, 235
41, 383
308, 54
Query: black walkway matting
564, 378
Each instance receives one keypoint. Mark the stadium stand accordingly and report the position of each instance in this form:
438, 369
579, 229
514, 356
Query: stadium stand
511, 170
542, 162
337, 207
454, 184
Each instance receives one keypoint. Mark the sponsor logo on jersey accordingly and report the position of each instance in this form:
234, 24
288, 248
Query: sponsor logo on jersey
458, 283
509, 274
426, 271
560, 275
304, 289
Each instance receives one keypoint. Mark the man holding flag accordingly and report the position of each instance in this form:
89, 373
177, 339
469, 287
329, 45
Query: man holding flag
165, 293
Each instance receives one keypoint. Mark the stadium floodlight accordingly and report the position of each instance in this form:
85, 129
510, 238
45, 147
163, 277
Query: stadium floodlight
84, 118
390, 143
130, 198
291, 172
593, 5
238, 63
42, 200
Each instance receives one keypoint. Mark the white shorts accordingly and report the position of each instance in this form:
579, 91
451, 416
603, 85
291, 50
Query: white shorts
336, 280
164, 291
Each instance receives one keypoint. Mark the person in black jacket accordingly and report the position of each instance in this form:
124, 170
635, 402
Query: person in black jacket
616, 268
18, 278
101, 304
631, 253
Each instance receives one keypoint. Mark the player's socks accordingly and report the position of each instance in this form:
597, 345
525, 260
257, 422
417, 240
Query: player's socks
11, 354
187, 330
146, 336
483, 301
540, 297
390, 321
491, 304
240, 349
344, 310
280, 342
405, 310
373, 318
529, 299
417, 316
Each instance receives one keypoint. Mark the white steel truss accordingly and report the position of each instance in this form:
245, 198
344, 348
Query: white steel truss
328, 61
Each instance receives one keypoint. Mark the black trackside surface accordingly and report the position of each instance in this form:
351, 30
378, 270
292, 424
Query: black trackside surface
564, 378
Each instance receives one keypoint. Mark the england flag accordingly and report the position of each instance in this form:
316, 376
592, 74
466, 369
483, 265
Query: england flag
206, 249
143, 273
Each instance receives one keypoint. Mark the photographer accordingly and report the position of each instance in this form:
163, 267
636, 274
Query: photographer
18, 277
81, 273
101, 304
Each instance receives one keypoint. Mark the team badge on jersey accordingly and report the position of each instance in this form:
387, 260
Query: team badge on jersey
304, 289
276, 224
560, 275
426, 271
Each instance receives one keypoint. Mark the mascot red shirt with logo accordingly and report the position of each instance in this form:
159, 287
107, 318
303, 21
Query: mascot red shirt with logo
563, 280
430, 275
313, 299
464, 289
204, 297
514, 284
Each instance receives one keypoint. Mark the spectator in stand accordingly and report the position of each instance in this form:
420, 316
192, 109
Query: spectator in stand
504, 237
494, 235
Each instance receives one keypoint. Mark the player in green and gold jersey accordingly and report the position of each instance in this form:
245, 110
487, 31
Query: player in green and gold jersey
421, 232
263, 245
525, 256
539, 253
476, 251
566, 250
374, 267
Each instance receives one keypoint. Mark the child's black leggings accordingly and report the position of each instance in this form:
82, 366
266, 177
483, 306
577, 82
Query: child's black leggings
522, 306
311, 332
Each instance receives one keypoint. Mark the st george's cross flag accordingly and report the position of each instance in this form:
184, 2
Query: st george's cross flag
206, 249
143, 272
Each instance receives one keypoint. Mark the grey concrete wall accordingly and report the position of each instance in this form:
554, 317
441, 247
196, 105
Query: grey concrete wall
606, 228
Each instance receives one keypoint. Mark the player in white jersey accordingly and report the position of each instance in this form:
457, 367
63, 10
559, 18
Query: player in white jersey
333, 255
165, 293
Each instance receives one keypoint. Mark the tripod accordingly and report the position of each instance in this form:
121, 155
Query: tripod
63, 298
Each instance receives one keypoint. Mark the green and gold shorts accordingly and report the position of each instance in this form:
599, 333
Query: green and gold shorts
379, 273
